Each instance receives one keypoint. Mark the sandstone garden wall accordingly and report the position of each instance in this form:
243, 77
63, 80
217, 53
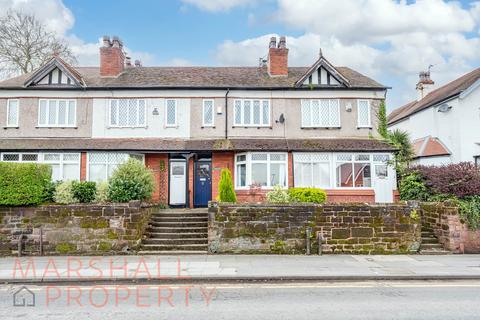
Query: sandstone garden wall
345, 228
453, 233
74, 229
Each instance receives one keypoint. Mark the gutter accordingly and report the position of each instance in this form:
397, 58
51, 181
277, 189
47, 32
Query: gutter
226, 113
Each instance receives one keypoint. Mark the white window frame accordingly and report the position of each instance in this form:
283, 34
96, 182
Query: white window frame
242, 113
62, 161
311, 162
117, 111
111, 163
204, 124
170, 125
47, 116
20, 156
369, 125
12, 125
330, 124
248, 161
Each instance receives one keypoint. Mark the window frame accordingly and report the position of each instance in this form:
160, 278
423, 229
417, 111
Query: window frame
62, 162
242, 113
9, 125
204, 124
330, 125
47, 116
138, 125
170, 125
311, 162
369, 106
248, 174
109, 163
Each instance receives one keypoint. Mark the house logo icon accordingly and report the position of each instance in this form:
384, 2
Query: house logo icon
23, 297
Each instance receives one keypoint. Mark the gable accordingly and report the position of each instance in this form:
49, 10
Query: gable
322, 73
55, 73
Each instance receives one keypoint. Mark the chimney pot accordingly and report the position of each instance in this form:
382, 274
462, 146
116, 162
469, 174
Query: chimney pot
138, 63
282, 44
273, 42
106, 41
425, 85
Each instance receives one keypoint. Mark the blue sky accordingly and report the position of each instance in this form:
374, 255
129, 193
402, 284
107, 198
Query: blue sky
391, 41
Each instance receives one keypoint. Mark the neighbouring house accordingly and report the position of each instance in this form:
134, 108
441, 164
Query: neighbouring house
270, 125
443, 122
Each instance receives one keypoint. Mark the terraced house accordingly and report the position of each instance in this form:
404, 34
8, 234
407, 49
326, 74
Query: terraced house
270, 125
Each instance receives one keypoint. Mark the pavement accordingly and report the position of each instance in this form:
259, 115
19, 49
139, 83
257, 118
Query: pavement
232, 268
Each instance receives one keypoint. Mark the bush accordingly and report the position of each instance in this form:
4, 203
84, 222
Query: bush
460, 179
50, 191
130, 181
84, 191
470, 211
101, 196
24, 183
412, 187
64, 193
226, 192
278, 195
312, 195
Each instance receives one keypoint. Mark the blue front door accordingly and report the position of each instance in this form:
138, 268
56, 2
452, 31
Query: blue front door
203, 183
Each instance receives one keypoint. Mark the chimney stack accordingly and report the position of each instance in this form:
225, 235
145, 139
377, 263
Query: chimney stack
278, 57
112, 58
138, 63
425, 85
128, 62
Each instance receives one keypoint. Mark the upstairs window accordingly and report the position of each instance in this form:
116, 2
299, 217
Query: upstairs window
252, 113
56, 113
364, 117
208, 113
127, 113
171, 113
324, 113
12, 113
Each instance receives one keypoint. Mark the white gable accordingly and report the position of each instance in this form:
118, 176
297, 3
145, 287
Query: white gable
56, 77
321, 76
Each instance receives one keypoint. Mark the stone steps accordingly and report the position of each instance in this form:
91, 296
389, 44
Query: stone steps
430, 244
177, 231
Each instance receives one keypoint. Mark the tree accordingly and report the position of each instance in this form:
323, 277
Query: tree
382, 121
401, 140
25, 44
226, 193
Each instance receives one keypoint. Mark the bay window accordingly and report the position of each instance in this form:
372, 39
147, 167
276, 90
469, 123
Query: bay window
102, 164
353, 170
253, 113
312, 170
261, 169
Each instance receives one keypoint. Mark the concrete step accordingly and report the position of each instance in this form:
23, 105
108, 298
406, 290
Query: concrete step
179, 224
176, 241
426, 246
434, 252
177, 230
176, 247
427, 233
166, 235
172, 252
180, 214
179, 219
429, 240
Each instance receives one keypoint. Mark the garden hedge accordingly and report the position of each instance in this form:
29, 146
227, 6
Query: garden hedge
24, 183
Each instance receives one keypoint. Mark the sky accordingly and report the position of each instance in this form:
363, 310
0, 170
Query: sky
388, 40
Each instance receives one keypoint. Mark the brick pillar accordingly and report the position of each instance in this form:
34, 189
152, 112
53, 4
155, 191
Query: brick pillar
83, 166
221, 160
191, 177
158, 163
290, 170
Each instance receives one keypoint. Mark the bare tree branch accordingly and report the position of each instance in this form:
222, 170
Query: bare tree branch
25, 44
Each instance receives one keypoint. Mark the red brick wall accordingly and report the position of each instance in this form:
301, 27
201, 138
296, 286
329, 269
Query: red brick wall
158, 163
221, 160
83, 166
278, 61
111, 61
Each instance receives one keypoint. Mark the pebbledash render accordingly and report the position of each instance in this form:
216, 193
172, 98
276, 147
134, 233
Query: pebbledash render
270, 125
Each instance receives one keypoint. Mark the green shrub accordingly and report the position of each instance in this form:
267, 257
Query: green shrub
24, 183
412, 187
64, 193
50, 191
470, 211
226, 192
313, 195
278, 195
84, 191
101, 196
131, 181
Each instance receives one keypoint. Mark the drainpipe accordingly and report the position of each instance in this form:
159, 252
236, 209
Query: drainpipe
226, 113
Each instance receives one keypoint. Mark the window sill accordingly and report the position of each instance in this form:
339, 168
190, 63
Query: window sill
171, 127
252, 127
321, 128
370, 128
114, 127
11, 127
56, 127
204, 127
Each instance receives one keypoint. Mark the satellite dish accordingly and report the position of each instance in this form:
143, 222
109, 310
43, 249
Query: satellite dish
444, 108
281, 119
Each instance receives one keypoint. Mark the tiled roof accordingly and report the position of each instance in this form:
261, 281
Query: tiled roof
429, 147
198, 77
172, 145
451, 89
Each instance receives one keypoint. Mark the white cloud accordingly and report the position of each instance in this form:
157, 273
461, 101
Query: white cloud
219, 5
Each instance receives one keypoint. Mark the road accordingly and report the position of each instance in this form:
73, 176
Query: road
325, 300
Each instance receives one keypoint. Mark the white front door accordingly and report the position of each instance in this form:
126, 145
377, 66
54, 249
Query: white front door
178, 182
383, 183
